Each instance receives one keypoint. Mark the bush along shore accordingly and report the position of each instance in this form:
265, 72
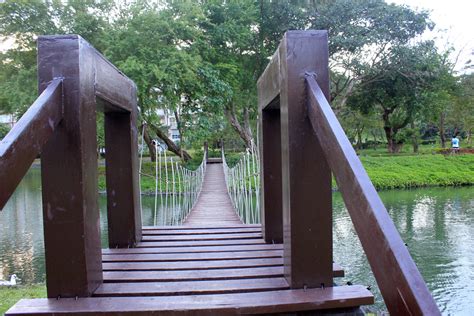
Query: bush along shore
386, 172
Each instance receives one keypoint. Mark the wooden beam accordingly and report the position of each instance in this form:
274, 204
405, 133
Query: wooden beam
306, 177
403, 289
24, 142
268, 84
69, 171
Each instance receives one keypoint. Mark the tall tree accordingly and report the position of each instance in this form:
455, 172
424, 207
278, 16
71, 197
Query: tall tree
397, 93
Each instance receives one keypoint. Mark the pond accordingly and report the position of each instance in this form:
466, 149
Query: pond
437, 224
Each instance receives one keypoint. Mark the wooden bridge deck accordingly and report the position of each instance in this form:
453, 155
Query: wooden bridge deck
213, 206
212, 265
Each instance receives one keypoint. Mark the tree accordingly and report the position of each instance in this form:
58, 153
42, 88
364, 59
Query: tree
461, 115
397, 92
22, 21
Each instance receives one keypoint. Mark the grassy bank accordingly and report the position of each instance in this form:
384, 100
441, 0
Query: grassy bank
10, 295
387, 171
400, 172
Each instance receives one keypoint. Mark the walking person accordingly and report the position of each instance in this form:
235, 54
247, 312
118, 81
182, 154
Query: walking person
455, 144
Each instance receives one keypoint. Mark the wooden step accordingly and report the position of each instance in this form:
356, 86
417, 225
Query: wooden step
281, 301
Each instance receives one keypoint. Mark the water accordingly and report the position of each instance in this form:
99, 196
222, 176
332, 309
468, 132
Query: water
437, 224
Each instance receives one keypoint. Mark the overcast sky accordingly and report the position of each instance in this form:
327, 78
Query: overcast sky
454, 25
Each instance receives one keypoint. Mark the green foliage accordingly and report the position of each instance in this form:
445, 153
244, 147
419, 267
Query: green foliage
4, 129
201, 60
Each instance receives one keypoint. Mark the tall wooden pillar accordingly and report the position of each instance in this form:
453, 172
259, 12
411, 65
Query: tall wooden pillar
123, 191
306, 177
272, 216
69, 171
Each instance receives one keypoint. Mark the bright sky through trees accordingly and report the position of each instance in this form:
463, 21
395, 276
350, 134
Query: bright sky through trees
454, 24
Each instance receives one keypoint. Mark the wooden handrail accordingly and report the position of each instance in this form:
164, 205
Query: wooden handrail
401, 284
24, 142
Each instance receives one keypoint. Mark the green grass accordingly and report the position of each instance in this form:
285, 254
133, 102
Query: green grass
387, 171
397, 172
10, 295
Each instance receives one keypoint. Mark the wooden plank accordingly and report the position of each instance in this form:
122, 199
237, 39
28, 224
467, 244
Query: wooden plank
23, 143
201, 243
203, 231
306, 176
285, 301
212, 274
69, 171
192, 265
201, 237
201, 226
132, 251
192, 275
194, 256
403, 289
191, 287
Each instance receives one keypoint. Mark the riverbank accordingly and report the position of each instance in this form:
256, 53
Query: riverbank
386, 172
402, 172
10, 295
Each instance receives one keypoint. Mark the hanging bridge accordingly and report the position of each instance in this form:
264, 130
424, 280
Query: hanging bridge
254, 237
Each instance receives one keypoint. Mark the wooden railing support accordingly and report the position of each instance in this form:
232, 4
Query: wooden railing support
69, 165
305, 175
69, 172
123, 191
271, 197
402, 286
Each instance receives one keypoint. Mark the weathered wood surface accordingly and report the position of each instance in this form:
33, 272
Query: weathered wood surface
216, 304
217, 279
213, 206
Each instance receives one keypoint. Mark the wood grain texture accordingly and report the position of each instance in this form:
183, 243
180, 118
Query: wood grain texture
217, 304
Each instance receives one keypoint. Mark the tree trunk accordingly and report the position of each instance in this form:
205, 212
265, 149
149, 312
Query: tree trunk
243, 132
414, 139
171, 145
148, 141
392, 145
442, 137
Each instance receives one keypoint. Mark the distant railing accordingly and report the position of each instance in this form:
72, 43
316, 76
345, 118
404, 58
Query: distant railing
302, 144
243, 184
75, 81
176, 187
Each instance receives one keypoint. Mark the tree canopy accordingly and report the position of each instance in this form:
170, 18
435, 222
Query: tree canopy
200, 60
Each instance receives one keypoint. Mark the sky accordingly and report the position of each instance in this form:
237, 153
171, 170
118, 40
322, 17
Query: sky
454, 21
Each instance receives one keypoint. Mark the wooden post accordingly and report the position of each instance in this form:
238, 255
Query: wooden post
123, 191
272, 216
69, 171
306, 177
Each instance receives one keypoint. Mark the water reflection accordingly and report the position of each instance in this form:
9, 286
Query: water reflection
437, 225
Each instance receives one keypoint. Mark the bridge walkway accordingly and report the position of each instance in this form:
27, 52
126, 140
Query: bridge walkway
213, 264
